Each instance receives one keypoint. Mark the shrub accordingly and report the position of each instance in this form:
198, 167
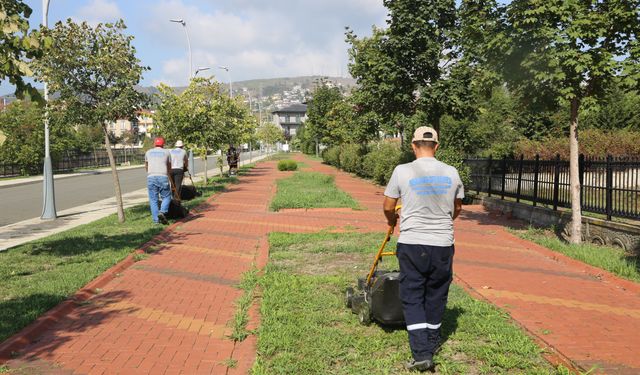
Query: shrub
331, 156
454, 158
351, 157
593, 143
287, 165
379, 163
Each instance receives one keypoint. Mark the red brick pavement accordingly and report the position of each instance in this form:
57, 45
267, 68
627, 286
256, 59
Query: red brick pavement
172, 313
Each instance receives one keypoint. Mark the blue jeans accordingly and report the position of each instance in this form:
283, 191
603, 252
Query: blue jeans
158, 186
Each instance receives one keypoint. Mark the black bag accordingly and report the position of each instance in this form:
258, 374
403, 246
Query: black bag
189, 192
177, 210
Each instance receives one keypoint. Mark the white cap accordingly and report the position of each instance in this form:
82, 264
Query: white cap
425, 133
179, 144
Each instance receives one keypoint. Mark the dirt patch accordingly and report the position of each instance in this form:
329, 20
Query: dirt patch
324, 264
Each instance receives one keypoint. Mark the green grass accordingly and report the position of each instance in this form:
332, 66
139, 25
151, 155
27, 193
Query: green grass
36, 276
612, 259
280, 156
241, 318
306, 328
310, 190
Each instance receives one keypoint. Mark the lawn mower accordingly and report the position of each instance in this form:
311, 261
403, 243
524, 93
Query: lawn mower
377, 297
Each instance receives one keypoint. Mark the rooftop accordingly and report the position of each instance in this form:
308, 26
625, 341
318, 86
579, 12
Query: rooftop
296, 108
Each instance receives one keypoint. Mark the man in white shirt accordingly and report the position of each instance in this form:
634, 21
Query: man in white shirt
431, 193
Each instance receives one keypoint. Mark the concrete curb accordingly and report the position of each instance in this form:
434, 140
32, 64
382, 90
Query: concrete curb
24, 337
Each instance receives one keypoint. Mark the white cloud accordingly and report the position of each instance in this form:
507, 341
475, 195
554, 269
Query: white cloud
98, 11
260, 38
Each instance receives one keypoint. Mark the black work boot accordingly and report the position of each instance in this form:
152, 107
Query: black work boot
421, 366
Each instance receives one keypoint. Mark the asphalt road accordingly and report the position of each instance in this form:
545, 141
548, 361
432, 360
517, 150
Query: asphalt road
24, 202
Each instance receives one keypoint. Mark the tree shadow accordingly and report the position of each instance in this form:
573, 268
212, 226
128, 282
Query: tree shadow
21, 311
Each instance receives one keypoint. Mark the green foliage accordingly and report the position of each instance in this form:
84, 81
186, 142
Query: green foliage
455, 159
351, 157
23, 125
594, 143
325, 99
202, 116
287, 165
379, 163
270, 133
18, 45
331, 156
310, 190
94, 70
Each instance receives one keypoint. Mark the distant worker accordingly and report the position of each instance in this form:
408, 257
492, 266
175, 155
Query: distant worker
157, 163
232, 160
179, 164
431, 193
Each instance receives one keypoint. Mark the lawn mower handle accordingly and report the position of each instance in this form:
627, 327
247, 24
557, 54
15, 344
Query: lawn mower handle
380, 254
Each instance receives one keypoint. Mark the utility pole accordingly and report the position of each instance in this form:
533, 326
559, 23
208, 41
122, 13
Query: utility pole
49, 198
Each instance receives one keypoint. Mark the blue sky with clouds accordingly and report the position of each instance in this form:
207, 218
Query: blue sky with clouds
255, 38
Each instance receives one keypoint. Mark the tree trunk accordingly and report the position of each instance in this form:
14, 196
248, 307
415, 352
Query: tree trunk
576, 213
114, 173
206, 180
436, 124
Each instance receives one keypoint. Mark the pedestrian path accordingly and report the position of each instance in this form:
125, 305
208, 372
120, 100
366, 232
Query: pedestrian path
173, 312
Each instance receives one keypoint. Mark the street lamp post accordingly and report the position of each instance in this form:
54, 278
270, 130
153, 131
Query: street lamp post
49, 199
192, 167
184, 25
200, 69
229, 77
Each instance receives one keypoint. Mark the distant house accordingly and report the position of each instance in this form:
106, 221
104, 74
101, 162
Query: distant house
290, 118
141, 126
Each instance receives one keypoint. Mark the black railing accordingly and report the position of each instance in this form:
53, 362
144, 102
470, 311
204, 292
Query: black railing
609, 186
96, 159
72, 161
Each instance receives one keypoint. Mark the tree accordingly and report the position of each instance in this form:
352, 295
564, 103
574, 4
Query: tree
270, 133
94, 71
202, 116
324, 99
18, 45
21, 123
385, 92
568, 51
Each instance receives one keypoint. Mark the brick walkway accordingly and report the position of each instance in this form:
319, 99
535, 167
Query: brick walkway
172, 313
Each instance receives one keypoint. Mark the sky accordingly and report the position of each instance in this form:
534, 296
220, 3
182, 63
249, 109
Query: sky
254, 38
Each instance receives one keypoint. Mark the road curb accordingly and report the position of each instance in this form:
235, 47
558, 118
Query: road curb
18, 341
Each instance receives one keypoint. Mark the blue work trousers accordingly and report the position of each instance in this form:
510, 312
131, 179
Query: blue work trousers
425, 275
158, 186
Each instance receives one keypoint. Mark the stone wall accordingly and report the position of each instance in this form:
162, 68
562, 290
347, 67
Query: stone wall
596, 231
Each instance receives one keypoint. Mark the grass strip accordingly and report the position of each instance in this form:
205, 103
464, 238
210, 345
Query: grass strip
306, 328
36, 276
614, 260
310, 190
241, 318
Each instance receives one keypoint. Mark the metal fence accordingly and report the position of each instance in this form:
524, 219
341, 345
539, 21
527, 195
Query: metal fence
610, 186
71, 161
96, 159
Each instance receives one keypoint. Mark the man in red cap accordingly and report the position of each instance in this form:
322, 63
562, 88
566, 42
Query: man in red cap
157, 162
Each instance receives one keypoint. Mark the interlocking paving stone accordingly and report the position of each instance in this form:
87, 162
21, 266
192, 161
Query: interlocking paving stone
172, 312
